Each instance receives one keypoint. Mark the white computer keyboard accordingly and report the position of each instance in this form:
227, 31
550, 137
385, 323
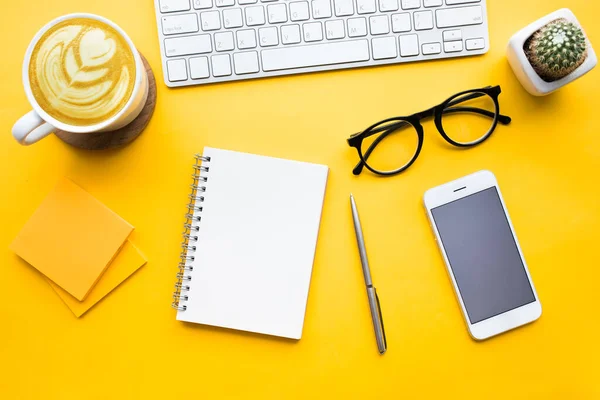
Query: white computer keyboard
208, 41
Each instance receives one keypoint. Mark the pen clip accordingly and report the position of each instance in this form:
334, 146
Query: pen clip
380, 318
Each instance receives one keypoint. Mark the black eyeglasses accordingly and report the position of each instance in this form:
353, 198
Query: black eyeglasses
465, 120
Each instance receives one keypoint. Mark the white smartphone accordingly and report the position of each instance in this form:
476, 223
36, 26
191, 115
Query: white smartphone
482, 255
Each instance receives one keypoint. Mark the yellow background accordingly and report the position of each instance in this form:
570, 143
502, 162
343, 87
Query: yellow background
130, 346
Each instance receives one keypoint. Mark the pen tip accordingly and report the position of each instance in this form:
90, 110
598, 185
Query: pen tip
351, 196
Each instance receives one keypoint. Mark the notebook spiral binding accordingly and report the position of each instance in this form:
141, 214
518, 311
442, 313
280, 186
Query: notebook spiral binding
190, 237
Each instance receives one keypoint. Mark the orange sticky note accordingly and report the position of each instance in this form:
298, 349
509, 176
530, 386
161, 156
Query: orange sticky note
125, 263
71, 238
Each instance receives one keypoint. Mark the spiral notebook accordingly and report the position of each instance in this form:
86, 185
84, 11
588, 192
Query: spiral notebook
249, 242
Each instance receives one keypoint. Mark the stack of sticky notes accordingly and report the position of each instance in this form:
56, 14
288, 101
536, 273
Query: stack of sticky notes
80, 246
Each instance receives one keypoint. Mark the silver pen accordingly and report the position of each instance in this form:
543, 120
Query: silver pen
371, 292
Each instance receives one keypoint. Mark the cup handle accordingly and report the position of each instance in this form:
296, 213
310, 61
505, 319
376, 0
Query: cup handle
31, 128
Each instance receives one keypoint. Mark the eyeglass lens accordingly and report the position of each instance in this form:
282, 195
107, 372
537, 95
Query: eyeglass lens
468, 118
395, 144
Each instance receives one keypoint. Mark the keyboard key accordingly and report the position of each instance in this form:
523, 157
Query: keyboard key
277, 13
452, 35
475, 44
410, 4
423, 20
255, 15
365, 6
268, 1
210, 20
343, 7
454, 2
224, 3
177, 70
221, 65
388, 5
290, 34
321, 9
299, 11
224, 41
357, 27
401, 22
334, 29
460, 16
384, 48
202, 4
431, 48
409, 45
186, 45
268, 36
328, 53
232, 18
199, 68
379, 25
245, 63
312, 32
433, 3
246, 39
453, 47
177, 24
167, 6
242, 2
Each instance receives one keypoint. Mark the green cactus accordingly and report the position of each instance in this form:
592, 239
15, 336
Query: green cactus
556, 50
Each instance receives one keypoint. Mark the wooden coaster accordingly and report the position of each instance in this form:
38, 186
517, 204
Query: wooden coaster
120, 137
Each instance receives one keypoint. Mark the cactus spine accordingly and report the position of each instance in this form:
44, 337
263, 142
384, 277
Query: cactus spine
556, 50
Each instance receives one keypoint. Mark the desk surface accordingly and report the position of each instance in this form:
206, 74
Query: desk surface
130, 346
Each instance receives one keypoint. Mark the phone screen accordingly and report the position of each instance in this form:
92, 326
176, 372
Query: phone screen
483, 255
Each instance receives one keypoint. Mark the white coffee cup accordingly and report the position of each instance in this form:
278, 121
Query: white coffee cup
37, 124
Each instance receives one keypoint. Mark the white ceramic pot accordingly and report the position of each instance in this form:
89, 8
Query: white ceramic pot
522, 67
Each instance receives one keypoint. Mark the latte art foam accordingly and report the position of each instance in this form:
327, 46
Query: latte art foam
82, 72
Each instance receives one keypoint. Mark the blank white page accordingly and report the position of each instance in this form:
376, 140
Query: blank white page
256, 244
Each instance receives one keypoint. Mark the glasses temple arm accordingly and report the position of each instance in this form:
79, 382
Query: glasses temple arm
396, 125
359, 167
467, 97
503, 119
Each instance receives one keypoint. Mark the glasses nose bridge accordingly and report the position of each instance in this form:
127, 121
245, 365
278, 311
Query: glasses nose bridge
426, 114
